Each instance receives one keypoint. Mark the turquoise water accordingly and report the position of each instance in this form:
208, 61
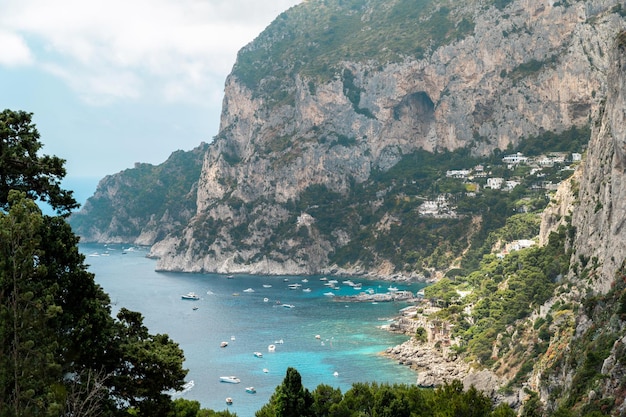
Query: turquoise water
349, 344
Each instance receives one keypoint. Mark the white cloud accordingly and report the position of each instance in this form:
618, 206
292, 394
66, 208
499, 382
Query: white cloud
15, 51
108, 50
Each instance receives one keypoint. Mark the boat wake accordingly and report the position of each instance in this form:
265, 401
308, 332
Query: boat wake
186, 388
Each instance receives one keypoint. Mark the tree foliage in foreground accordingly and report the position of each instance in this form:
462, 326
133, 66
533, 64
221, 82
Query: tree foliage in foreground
291, 399
21, 168
59, 344
61, 351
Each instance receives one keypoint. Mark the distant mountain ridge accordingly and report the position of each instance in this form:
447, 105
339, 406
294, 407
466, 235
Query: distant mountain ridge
143, 204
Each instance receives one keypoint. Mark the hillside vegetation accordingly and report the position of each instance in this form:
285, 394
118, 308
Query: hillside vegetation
315, 36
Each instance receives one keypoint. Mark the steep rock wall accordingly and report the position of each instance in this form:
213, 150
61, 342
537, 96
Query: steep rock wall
600, 220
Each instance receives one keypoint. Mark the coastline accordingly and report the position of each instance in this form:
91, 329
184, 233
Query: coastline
433, 360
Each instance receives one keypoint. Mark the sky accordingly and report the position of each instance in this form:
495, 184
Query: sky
115, 82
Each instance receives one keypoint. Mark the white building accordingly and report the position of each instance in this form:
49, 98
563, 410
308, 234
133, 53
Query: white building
457, 173
494, 183
516, 158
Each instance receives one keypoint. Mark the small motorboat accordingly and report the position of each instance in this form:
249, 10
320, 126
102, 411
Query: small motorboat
267, 286
265, 300
248, 290
335, 373
271, 348
190, 296
229, 401
265, 370
223, 344
306, 290
288, 305
230, 379
258, 354
294, 286
250, 390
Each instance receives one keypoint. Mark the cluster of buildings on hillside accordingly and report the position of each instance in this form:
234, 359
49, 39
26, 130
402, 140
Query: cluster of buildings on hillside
441, 207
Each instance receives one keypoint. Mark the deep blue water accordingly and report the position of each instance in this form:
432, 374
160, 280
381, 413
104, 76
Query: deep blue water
350, 338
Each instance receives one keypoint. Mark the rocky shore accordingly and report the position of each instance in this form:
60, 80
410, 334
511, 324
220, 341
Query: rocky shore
434, 361
434, 366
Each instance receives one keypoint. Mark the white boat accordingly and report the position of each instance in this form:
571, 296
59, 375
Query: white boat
329, 294
305, 280
288, 305
357, 286
392, 289
190, 296
294, 286
306, 290
265, 300
349, 282
271, 348
258, 354
248, 290
335, 373
323, 279
223, 344
250, 390
265, 370
279, 341
230, 379
229, 401
267, 286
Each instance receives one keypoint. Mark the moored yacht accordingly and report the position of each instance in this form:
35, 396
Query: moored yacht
230, 379
190, 296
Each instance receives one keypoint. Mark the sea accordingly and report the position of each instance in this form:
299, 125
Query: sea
328, 341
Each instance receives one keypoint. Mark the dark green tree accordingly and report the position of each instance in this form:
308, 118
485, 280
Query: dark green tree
29, 368
290, 399
61, 351
325, 400
21, 168
148, 366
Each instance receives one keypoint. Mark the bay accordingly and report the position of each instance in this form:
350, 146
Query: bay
329, 342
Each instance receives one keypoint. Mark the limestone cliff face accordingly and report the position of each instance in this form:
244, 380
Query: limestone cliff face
531, 67
594, 202
600, 219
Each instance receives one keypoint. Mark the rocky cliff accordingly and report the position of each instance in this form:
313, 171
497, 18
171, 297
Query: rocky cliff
143, 204
500, 72
586, 354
